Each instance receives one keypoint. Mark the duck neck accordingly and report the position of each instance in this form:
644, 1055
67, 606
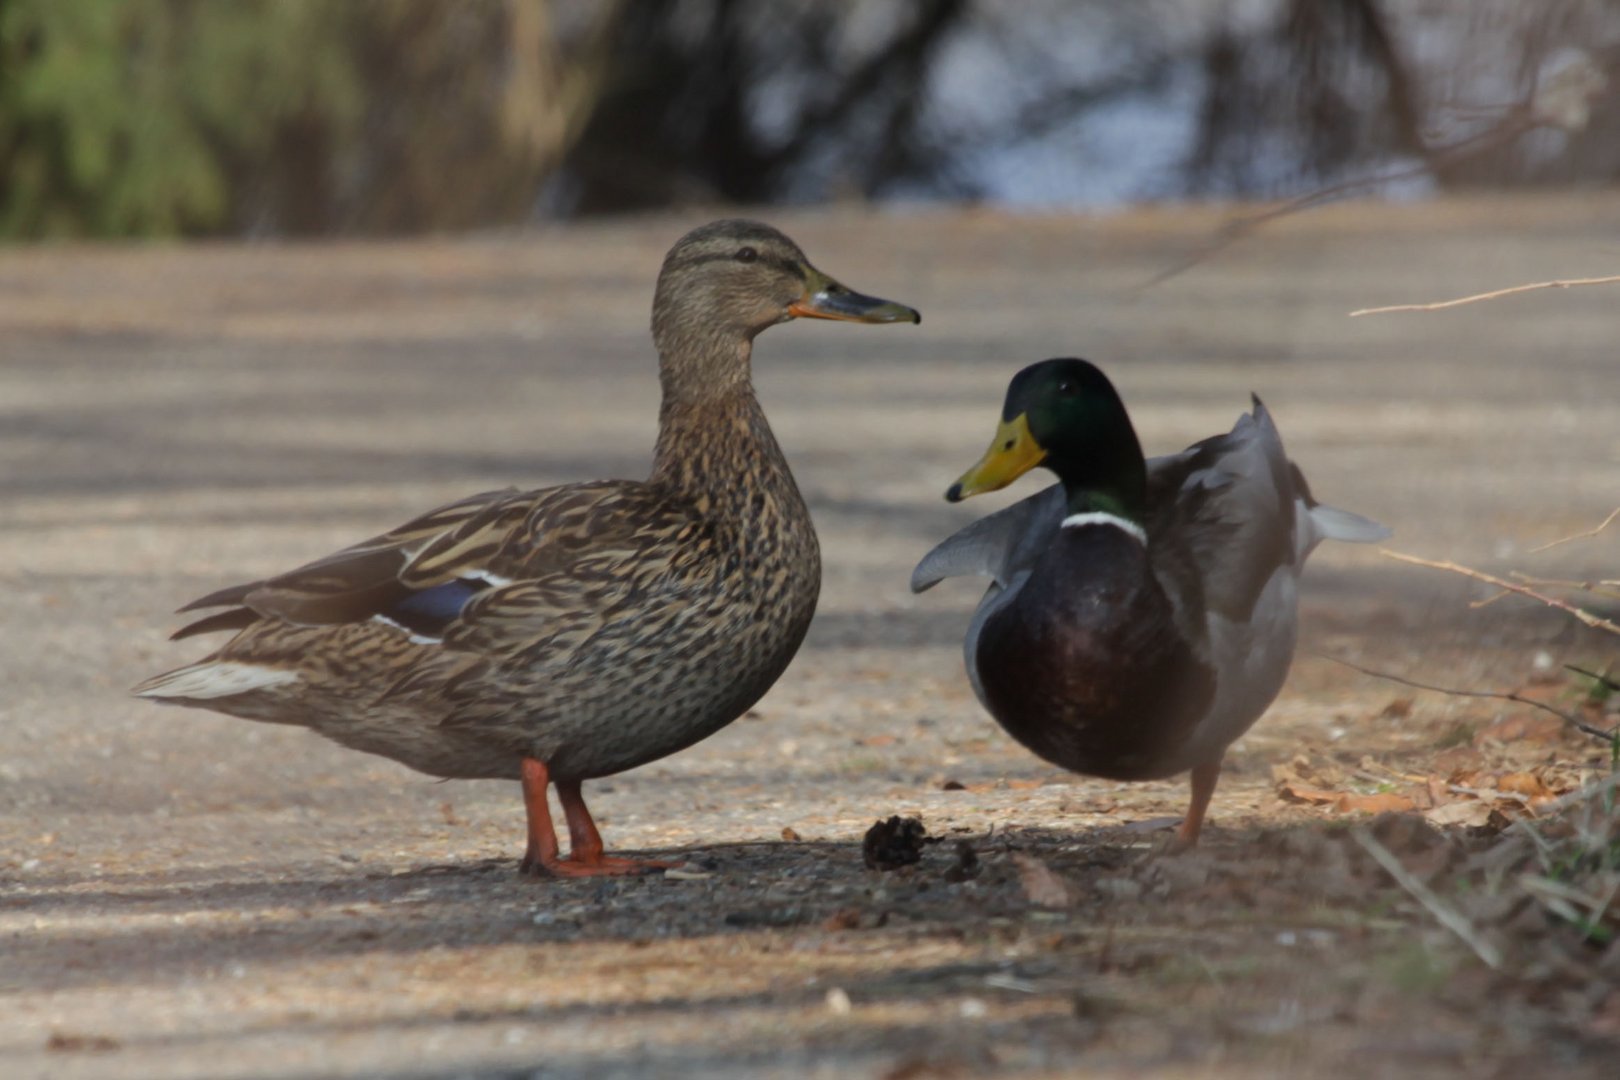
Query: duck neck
714, 442
1108, 479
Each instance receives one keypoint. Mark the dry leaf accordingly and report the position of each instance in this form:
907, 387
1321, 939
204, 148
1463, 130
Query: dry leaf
1300, 793
1522, 783
1042, 887
1382, 803
1470, 812
1298, 770
1525, 728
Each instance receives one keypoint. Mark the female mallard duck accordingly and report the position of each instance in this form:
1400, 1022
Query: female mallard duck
558, 635
1142, 613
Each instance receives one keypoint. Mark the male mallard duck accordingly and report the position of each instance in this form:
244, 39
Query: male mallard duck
559, 635
1142, 613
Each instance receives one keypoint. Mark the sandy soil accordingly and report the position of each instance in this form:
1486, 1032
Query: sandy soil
186, 895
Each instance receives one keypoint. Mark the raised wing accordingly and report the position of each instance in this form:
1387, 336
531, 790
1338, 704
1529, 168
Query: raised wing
998, 546
1223, 511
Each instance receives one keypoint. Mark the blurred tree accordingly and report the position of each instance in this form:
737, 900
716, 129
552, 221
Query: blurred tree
124, 118
158, 117
1327, 74
469, 107
313, 117
1072, 101
683, 119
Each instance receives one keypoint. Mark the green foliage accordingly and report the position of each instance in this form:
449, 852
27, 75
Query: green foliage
128, 117
1416, 969
165, 117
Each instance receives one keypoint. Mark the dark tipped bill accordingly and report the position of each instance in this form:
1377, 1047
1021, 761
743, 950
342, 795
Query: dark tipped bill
825, 298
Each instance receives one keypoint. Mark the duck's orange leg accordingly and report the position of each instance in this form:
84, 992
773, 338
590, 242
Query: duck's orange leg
585, 843
541, 854
542, 857
1204, 778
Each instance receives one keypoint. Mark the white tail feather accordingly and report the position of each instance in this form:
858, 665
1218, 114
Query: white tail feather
1335, 524
1320, 523
214, 679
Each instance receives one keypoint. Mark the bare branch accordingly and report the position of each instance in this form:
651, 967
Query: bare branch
1601, 587
1440, 305
1510, 586
1607, 735
1607, 680
1613, 514
1447, 916
1517, 121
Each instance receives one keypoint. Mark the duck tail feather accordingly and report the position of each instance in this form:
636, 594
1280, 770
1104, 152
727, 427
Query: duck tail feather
212, 679
1331, 523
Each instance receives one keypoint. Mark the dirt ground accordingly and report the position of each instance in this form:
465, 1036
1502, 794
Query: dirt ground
189, 895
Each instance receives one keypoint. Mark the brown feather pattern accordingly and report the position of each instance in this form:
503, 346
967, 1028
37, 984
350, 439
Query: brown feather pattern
593, 626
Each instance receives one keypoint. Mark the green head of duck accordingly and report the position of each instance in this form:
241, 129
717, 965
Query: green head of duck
1064, 415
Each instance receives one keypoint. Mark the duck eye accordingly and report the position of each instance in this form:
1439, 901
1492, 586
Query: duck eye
747, 255
1066, 388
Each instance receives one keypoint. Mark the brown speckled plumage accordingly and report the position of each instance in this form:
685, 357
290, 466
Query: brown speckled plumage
579, 630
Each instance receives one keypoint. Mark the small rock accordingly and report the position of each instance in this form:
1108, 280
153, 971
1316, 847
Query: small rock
838, 1002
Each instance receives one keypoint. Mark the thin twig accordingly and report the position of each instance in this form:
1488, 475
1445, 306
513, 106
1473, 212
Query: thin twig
1589, 793
1448, 916
1441, 305
1501, 583
1607, 680
1488, 794
1516, 121
1613, 514
1575, 722
1600, 588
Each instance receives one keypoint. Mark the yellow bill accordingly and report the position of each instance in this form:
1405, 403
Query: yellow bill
1012, 454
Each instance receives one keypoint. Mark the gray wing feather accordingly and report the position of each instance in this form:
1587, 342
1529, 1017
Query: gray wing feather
1229, 522
997, 546
1317, 523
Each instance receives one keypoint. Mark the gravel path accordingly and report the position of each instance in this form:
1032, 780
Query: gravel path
185, 895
